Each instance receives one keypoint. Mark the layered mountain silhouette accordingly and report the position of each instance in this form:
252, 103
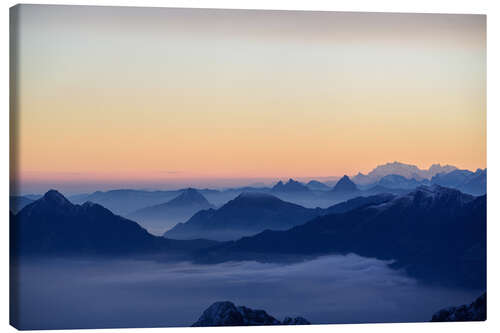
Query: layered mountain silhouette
344, 189
251, 213
406, 170
378, 189
434, 233
358, 202
18, 202
125, 201
464, 180
476, 311
163, 216
401, 182
317, 186
52, 225
228, 314
292, 186
247, 214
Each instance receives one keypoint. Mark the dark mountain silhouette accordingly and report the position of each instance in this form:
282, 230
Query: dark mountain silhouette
436, 234
228, 314
292, 186
247, 214
18, 202
52, 225
464, 180
163, 216
317, 186
476, 311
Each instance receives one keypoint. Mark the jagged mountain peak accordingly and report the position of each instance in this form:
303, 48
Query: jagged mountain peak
227, 314
407, 170
345, 184
291, 185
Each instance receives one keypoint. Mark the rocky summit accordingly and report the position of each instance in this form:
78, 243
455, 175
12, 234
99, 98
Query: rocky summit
476, 311
228, 314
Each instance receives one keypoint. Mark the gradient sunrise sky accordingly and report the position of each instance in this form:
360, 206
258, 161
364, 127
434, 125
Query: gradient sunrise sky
153, 97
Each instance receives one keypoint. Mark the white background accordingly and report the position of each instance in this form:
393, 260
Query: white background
423, 6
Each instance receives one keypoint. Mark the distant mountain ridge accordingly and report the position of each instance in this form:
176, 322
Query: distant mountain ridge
249, 213
18, 202
464, 180
401, 182
317, 186
159, 218
345, 185
408, 171
125, 201
290, 186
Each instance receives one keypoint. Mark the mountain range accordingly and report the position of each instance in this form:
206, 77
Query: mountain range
53, 226
292, 186
315, 185
247, 214
253, 212
434, 233
158, 218
125, 201
406, 170
401, 182
393, 177
464, 180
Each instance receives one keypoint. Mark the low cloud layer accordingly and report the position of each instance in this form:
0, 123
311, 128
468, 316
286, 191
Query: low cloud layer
330, 289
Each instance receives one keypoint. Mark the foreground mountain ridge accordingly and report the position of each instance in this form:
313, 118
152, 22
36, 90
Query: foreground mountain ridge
227, 314
476, 311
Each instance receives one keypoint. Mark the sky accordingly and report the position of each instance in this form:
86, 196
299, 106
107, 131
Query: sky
155, 97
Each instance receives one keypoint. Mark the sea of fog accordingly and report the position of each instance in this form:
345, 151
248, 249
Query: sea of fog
60, 293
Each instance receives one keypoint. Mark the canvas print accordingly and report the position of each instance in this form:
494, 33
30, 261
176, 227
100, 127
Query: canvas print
209, 167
